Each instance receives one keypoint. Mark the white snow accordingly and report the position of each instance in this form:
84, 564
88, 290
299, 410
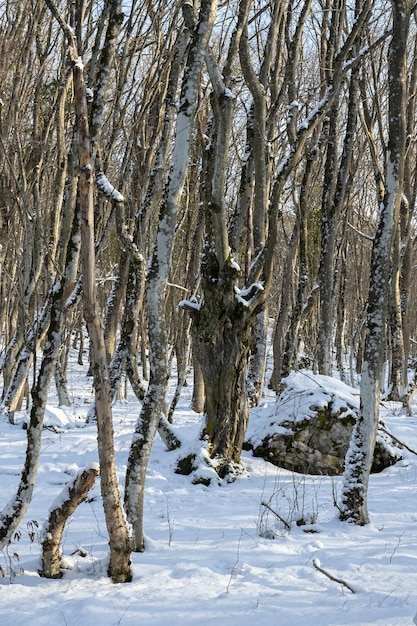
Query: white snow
303, 395
78, 62
107, 188
193, 303
208, 559
241, 295
235, 265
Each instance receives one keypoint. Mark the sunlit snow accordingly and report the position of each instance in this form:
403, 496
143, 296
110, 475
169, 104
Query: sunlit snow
209, 558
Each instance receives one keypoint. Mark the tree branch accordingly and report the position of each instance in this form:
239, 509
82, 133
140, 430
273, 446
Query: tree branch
316, 564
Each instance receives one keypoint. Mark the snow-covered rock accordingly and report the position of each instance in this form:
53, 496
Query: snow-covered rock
309, 427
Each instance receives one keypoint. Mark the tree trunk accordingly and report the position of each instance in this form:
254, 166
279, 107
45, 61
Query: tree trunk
221, 331
61, 386
119, 540
289, 354
226, 404
353, 506
159, 270
334, 197
284, 312
258, 355
183, 361
197, 402
341, 317
398, 372
72, 495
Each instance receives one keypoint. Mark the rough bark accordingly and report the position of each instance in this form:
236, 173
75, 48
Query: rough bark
221, 342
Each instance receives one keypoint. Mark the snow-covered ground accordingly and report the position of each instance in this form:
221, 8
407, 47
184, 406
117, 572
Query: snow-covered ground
217, 554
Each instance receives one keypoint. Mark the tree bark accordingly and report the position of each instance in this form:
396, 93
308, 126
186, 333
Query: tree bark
119, 540
258, 356
73, 495
399, 362
197, 402
158, 275
353, 505
221, 343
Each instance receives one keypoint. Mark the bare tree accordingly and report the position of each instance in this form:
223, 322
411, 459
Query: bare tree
359, 458
158, 274
335, 178
87, 145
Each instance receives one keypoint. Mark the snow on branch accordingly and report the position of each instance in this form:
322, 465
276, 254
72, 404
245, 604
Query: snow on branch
247, 296
78, 62
65, 26
233, 264
192, 305
73, 494
360, 233
107, 188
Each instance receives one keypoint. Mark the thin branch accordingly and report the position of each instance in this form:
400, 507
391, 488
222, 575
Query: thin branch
359, 232
286, 524
401, 443
316, 564
68, 31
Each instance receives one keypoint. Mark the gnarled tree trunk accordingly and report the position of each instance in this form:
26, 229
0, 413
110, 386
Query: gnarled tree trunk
221, 343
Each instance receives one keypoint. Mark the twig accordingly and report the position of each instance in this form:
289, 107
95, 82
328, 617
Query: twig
234, 568
286, 524
316, 564
396, 547
384, 430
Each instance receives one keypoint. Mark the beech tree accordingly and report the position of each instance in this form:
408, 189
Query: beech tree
158, 274
353, 505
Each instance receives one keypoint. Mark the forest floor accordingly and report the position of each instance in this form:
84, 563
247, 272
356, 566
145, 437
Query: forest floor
216, 554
